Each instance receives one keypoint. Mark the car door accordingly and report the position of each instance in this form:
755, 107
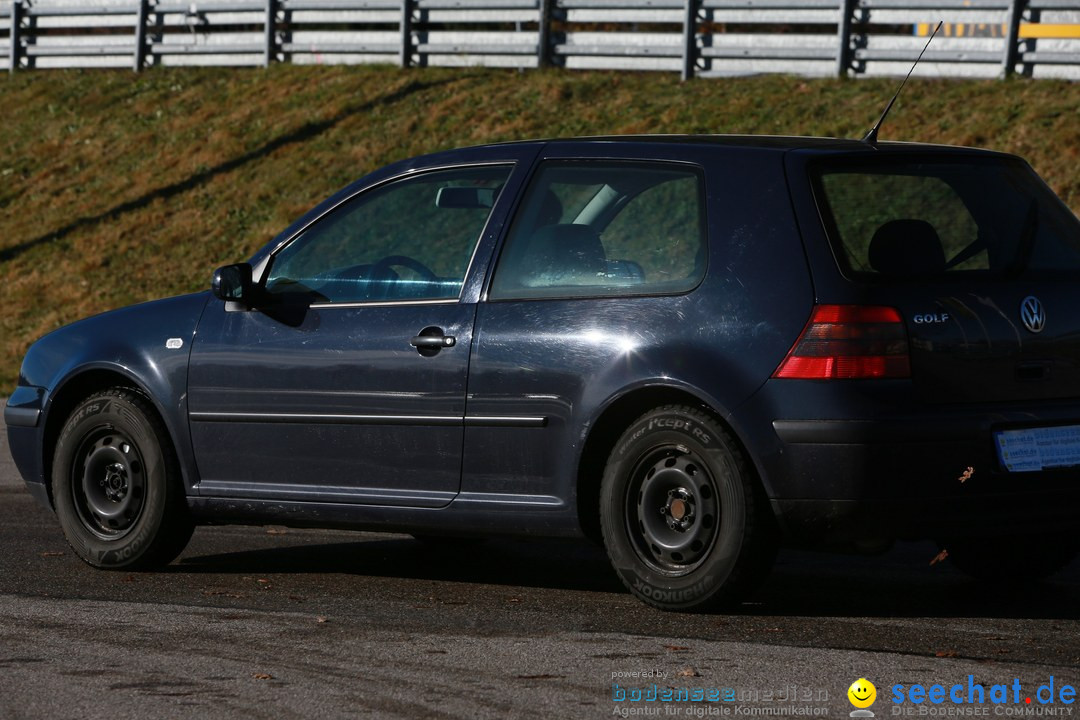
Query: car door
346, 382
593, 276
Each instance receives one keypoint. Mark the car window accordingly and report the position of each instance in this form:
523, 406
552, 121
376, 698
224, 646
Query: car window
903, 218
589, 229
410, 239
896, 198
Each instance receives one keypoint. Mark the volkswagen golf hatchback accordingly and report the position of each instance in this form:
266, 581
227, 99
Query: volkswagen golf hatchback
691, 349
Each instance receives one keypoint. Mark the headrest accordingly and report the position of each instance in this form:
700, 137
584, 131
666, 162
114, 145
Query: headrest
907, 247
551, 210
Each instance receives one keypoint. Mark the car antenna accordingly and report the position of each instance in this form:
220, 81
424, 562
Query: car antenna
871, 137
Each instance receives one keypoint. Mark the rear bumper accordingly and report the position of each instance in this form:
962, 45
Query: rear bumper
901, 469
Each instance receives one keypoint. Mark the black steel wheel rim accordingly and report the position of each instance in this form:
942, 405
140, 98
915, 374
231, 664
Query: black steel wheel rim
673, 510
108, 483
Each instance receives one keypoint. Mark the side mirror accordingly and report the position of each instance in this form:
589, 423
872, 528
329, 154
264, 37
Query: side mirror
232, 283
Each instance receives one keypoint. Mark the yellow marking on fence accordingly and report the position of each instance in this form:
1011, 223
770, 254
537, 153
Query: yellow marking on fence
1027, 30
1049, 30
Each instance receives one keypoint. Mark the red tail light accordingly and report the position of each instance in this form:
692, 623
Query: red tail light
849, 341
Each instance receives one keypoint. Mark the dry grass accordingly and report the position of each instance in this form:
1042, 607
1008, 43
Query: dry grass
117, 188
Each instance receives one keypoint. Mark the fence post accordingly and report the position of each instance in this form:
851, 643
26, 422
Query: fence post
405, 57
843, 32
689, 57
269, 33
1012, 37
543, 39
13, 36
140, 36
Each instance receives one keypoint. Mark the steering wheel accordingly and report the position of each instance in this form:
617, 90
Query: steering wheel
382, 266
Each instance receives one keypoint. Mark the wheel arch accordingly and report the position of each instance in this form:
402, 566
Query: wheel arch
612, 421
75, 388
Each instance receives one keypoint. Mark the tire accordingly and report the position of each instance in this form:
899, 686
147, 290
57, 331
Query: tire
116, 484
684, 522
993, 559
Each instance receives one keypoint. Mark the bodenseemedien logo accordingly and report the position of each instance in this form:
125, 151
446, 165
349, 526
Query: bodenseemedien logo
862, 695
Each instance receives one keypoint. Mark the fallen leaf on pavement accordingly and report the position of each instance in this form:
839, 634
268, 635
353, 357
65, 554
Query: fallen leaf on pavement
940, 557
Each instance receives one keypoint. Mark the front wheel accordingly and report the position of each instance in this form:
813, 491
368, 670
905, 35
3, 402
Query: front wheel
684, 523
116, 484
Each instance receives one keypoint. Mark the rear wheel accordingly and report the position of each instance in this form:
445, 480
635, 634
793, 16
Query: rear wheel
116, 484
996, 558
684, 523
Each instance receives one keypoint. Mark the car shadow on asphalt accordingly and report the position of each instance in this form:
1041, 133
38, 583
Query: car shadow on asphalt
553, 564
903, 583
900, 583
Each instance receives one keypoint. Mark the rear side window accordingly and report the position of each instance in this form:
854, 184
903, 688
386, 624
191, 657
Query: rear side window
602, 229
892, 219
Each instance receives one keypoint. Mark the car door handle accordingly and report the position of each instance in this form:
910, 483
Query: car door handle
433, 342
430, 341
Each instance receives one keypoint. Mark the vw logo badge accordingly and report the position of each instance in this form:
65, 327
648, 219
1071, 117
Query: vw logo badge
1032, 313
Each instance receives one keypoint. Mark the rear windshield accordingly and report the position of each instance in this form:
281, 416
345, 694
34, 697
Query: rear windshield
911, 218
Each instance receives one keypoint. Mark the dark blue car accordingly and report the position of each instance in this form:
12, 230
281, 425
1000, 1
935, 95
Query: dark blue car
692, 349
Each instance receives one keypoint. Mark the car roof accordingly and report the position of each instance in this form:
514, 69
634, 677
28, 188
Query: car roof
765, 142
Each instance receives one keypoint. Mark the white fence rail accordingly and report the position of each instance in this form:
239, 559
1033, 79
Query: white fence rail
706, 38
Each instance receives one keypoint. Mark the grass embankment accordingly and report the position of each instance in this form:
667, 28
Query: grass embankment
117, 188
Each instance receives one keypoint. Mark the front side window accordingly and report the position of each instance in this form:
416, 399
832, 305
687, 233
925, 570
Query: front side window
899, 218
602, 229
410, 239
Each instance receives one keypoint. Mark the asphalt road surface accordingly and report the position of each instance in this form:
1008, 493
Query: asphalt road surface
263, 622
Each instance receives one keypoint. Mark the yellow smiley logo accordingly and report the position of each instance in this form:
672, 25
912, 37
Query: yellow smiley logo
862, 693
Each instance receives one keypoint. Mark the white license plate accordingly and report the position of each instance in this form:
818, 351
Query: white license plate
1035, 449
